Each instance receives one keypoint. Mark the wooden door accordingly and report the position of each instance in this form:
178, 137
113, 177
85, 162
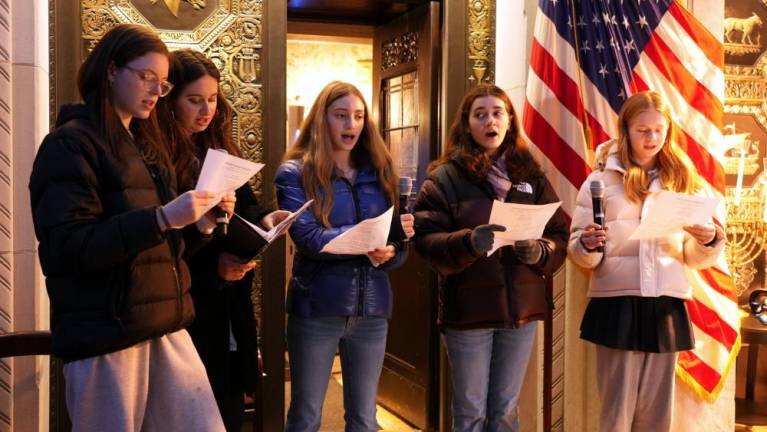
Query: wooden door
405, 104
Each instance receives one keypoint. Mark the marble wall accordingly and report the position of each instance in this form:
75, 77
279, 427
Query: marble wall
23, 123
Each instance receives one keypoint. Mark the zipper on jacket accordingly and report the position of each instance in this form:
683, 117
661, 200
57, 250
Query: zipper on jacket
361, 273
505, 259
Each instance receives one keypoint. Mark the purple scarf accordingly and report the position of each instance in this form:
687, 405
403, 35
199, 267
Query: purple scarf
499, 178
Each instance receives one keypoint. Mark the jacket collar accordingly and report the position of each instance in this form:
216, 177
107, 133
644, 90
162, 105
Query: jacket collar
607, 157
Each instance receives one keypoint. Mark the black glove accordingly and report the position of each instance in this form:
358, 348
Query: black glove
528, 251
482, 237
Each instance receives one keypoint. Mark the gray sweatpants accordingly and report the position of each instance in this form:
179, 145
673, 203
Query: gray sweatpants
636, 390
156, 385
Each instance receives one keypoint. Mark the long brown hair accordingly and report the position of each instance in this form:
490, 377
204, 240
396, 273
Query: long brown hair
462, 148
314, 148
186, 151
676, 171
118, 47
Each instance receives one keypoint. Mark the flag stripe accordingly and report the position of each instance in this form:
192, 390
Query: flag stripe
567, 161
595, 104
706, 376
719, 281
692, 56
564, 88
564, 189
711, 47
708, 321
697, 95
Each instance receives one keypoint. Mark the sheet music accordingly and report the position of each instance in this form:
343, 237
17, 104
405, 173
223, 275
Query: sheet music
222, 172
522, 221
671, 211
363, 237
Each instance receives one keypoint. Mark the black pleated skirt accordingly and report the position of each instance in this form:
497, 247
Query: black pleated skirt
648, 324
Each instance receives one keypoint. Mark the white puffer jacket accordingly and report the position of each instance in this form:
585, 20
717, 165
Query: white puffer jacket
646, 268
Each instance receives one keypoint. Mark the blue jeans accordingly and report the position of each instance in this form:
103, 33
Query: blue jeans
312, 344
488, 367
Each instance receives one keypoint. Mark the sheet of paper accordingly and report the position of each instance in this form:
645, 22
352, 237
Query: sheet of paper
671, 211
363, 237
222, 172
280, 228
522, 221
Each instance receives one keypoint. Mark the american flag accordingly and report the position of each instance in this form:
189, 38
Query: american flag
587, 58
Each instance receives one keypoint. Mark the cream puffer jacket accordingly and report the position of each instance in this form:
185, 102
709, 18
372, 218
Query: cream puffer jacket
646, 268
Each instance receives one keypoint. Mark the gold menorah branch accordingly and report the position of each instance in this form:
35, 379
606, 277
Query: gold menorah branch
746, 233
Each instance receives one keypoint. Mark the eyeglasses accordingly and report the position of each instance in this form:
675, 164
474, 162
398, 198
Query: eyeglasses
152, 81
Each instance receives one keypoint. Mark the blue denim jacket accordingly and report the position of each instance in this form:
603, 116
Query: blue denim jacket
335, 285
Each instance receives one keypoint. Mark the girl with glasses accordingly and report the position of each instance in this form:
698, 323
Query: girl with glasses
112, 235
636, 314
197, 118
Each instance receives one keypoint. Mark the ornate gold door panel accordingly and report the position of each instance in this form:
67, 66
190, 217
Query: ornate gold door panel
745, 37
233, 34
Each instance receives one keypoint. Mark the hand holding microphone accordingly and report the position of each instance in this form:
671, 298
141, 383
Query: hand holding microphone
406, 219
223, 212
597, 188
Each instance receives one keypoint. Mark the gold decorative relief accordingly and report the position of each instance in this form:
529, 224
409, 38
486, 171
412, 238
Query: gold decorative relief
173, 5
229, 32
481, 43
741, 35
401, 50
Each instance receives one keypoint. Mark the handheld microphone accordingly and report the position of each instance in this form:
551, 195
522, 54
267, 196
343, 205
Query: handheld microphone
222, 217
405, 189
597, 201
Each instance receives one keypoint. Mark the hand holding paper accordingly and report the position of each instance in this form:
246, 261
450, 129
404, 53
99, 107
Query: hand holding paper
281, 227
671, 211
248, 240
522, 221
363, 237
222, 172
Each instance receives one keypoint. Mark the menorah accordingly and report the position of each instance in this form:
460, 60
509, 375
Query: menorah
746, 213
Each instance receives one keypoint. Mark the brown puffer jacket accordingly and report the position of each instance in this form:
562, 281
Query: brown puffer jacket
497, 291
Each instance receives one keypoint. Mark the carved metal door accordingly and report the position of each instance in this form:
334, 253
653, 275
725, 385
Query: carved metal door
405, 103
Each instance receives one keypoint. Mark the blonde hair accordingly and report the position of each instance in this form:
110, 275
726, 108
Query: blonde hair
676, 171
314, 147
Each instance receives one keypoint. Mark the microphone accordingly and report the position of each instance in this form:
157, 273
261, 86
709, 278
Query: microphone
222, 217
597, 200
405, 188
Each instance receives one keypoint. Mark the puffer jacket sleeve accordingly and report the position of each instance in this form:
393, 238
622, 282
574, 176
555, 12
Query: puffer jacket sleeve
582, 216
555, 234
446, 249
309, 235
68, 215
